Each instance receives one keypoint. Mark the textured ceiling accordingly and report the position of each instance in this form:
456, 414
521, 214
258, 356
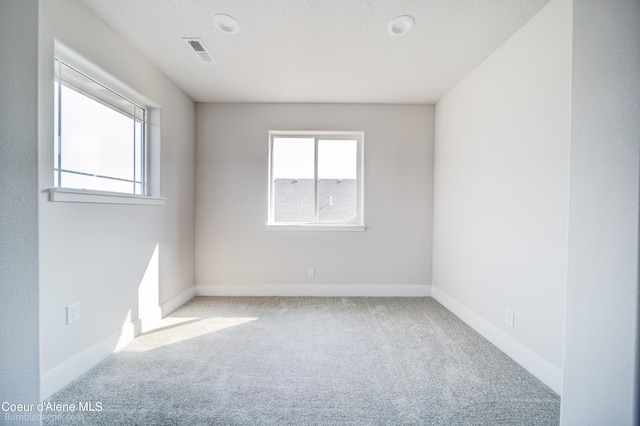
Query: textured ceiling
318, 50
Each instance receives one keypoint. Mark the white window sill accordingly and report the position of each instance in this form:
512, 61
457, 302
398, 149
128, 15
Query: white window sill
70, 195
316, 227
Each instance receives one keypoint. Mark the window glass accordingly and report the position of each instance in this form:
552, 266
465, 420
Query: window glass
337, 180
100, 136
315, 178
293, 179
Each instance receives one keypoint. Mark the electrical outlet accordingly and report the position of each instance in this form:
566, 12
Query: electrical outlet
73, 313
509, 317
311, 273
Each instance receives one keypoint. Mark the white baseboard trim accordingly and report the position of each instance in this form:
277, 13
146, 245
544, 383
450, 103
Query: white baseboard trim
547, 373
321, 290
175, 302
63, 374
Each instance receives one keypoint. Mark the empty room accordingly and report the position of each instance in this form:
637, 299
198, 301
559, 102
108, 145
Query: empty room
319, 212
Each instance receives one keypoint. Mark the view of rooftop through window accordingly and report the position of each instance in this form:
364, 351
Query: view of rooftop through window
314, 179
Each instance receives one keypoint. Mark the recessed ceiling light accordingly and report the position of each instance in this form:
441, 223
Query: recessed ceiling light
401, 25
226, 24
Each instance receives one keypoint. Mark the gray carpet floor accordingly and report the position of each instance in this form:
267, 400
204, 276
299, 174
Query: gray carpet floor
311, 361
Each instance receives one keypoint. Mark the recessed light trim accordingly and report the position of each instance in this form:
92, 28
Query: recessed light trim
401, 25
226, 23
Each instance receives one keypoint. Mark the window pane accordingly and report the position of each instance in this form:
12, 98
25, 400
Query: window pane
101, 142
337, 182
337, 159
72, 180
92, 89
293, 179
95, 138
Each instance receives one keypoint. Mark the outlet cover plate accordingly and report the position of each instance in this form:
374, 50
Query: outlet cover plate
73, 313
509, 318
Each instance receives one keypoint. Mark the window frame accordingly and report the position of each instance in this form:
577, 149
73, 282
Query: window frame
152, 154
357, 224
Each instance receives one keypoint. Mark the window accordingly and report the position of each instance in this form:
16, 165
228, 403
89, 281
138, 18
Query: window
315, 179
100, 136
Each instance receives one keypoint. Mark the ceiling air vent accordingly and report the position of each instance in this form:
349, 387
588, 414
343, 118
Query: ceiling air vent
198, 46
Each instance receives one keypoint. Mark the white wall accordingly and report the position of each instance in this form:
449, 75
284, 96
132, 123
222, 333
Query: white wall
237, 255
501, 193
601, 352
100, 255
19, 362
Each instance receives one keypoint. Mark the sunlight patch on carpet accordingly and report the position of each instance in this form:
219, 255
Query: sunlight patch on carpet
174, 330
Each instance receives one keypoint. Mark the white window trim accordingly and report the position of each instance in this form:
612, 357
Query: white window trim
331, 227
315, 227
154, 111
72, 195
